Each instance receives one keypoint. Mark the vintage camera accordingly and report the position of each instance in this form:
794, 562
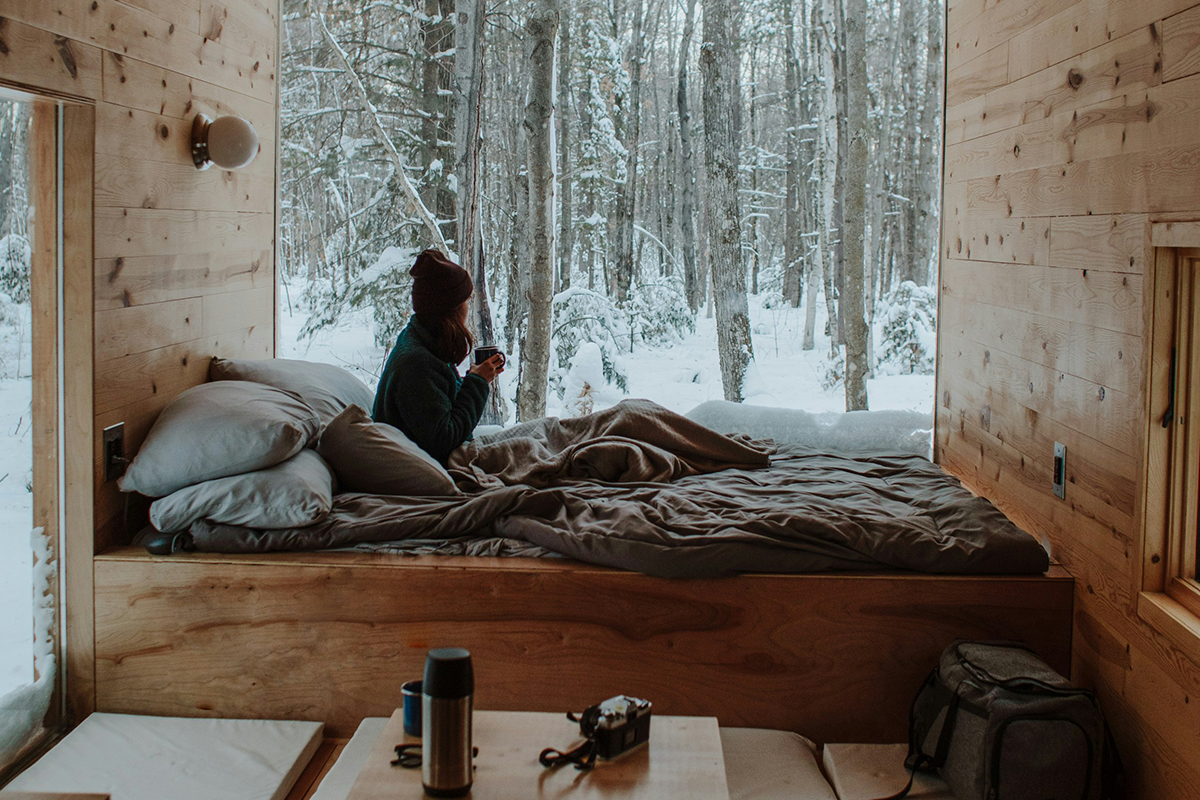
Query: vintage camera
617, 725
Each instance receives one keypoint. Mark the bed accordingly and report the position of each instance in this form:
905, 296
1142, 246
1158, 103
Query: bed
689, 608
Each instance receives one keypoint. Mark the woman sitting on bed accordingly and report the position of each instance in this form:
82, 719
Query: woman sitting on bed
420, 391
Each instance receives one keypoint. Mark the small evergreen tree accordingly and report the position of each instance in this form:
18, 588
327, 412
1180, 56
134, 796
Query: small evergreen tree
908, 340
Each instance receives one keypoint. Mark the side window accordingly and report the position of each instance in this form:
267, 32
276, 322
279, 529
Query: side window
1183, 421
30, 647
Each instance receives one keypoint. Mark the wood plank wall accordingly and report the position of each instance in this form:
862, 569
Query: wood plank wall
1070, 125
184, 260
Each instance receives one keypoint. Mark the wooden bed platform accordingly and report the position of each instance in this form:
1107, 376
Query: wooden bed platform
331, 636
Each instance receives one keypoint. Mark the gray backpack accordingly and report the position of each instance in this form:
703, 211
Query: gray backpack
997, 723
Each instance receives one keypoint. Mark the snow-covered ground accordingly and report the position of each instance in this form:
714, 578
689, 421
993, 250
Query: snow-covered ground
16, 502
679, 376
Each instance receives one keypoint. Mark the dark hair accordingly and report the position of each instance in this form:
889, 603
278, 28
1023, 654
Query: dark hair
452, 340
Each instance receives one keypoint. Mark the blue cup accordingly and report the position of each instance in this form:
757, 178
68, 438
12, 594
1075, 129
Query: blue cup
411, 691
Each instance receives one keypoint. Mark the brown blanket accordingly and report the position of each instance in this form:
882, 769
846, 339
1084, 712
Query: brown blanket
640, 488
635, 440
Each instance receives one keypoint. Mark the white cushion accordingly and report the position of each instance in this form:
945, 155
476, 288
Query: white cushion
340, 779
762, 764
326, 387
869, 771
292, 494
152, 758
219, 429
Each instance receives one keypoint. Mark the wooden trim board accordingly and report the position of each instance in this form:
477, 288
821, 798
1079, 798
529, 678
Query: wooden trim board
331, 636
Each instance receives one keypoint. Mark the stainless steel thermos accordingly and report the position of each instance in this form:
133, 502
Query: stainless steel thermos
447, 698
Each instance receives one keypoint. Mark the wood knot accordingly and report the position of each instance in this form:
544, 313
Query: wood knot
1074, 78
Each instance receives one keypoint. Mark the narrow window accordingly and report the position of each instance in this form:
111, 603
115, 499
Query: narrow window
1183, 420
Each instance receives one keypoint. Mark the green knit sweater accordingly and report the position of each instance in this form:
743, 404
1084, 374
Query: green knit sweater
425, 397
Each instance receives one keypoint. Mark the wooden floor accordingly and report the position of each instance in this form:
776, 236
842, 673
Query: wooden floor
331, 636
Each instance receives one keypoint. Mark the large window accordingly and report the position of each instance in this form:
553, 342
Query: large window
373, 114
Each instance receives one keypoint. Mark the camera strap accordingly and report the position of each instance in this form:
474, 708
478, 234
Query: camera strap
583, 756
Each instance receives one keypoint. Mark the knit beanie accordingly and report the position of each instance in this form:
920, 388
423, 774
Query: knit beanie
438, 284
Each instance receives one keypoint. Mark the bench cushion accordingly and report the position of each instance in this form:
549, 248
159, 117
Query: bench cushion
869, 771
151, 758
762, 764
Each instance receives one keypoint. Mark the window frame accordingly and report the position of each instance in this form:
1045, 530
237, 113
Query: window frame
1180, 576
1169, 596
64, 402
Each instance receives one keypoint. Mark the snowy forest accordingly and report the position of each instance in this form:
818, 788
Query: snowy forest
612, 171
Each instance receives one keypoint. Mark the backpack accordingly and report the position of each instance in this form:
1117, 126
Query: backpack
997, 723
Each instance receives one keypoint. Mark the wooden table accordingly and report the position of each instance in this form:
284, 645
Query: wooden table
683, 760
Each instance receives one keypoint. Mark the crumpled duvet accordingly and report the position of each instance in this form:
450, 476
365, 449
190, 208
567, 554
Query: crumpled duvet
641, 488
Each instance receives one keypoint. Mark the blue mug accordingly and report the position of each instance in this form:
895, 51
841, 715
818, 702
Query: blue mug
411, 691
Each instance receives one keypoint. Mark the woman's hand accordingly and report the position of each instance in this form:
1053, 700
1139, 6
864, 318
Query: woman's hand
488, 370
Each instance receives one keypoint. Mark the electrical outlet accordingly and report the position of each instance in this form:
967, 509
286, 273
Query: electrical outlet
1060, 470
114, 451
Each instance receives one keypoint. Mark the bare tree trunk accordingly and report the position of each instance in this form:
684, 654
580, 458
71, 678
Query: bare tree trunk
928, 185
909, 71
791, 215
437, 125
627, 199
540, 30
827, 149
468, 109
839, 204
588, 236
755, 257
718, 66
855, 194
687, 219
566, 241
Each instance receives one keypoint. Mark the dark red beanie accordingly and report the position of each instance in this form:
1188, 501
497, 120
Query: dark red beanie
438, 284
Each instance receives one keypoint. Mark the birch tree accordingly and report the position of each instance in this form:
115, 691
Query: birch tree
929, 180
719, 62
627, 199
857, 366
541, 29
687, 166
566, 237
469, 18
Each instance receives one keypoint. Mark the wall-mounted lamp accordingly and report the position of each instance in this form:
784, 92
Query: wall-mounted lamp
228, 142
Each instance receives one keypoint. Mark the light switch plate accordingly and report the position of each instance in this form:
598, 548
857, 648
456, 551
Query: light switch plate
1060, 470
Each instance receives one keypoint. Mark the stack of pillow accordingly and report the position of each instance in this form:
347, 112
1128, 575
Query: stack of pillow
266, 444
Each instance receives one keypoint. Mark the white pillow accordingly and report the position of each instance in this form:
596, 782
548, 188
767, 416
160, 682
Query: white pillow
328, 388
219, 429
292, 494
376, 458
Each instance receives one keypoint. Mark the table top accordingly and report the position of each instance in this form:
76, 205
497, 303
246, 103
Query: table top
683, 760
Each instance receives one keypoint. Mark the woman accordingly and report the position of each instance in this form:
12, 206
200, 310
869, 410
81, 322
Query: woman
420, 391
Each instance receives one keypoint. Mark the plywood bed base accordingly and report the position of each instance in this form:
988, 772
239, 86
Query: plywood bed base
331, 636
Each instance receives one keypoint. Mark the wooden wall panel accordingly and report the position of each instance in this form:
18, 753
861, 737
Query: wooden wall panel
182, 261
1054, 176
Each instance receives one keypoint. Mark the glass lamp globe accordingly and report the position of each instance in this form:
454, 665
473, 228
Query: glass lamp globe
229, 142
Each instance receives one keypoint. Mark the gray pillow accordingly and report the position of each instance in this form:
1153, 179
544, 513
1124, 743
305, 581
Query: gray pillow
326, 387
293, 494
219, 429
375, 458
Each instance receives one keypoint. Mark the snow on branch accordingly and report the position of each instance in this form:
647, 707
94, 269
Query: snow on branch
415, 204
